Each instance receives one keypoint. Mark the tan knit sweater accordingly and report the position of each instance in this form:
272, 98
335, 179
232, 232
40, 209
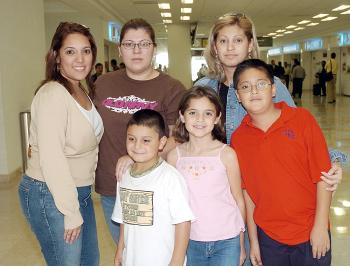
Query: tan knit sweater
64, 149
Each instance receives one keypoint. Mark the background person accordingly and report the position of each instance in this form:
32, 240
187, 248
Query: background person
332, 66
120, 94
98, 72
55, 192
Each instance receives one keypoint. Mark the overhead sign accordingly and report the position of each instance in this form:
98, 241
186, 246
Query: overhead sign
274, 51
265, 41
313, 44
113, 31
344, 38
291, 48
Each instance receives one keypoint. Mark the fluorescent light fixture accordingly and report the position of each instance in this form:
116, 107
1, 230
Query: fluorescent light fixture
166, 30
274, 37
299, 28
328, 18
185, 17
342, 7
280, 30
272, 34
167, 21
265, 36
186, 10
313, 24
166, 14
280, 35
345, 12
164, 6
304, 22
291, 27
346, 203
187, 1
288, 32
321, 15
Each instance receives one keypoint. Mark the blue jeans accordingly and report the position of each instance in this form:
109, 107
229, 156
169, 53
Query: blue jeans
214, 253
47, 223
108, 206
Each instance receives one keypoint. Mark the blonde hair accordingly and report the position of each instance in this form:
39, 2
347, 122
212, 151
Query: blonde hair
215, 67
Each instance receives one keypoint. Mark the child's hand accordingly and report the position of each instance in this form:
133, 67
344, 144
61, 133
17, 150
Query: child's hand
123, 163
319, 240
242, 256
333, 177
255, 257
118, 257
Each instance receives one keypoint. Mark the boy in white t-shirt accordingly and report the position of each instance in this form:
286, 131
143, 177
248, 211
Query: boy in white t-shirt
151, 203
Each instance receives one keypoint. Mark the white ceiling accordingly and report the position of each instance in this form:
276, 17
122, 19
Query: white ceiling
268, 15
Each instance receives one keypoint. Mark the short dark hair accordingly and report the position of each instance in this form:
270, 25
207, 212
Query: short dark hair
98, 64
333, 55
180, 132
252, 63
135, 24
148, 118
113, 62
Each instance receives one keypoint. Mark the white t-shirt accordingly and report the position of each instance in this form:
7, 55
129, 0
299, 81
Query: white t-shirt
149, 207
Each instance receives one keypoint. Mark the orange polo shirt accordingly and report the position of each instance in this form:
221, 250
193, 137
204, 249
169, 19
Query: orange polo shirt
280, 169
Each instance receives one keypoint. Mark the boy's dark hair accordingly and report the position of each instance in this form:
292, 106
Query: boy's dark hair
333, 55
98, 64
252, 63
180, 132
113, 62
148, 118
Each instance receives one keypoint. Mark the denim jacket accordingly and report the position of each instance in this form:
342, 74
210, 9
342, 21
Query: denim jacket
235, 112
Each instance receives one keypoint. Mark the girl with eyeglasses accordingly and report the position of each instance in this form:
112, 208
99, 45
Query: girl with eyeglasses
232, 39
121, 93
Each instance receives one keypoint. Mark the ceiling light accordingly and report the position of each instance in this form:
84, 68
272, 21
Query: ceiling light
185, 17
304, 21
164, 6
339, 8
346, 12
187, 1
313, 24
291, 27
167, 21
272, 34
320, 15
186, 10
328, 18
166, 15
288, 32
274, 37
265, 36
279, 35
299, 28
341, 229
280, 30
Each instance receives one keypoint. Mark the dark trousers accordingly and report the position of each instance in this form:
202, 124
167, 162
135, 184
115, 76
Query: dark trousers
323, 88
274, 253
297, 87
286, 78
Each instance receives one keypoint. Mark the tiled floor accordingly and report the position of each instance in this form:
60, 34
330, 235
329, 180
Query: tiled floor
18, 246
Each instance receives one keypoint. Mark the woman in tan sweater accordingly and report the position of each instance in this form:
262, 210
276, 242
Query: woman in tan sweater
65, 130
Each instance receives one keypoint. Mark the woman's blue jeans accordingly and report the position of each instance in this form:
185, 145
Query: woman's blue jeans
47, 223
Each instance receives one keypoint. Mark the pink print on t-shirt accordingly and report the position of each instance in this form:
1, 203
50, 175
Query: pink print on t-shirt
128, 104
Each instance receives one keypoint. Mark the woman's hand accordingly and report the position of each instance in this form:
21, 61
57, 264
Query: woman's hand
333, 177
70, 235
122, 164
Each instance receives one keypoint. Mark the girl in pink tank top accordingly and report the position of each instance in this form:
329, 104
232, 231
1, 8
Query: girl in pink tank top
213, 178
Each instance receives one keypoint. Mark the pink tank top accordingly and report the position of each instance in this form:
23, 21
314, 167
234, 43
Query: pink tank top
217, 214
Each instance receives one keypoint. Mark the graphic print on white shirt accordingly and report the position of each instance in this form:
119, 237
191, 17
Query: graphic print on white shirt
137, 206
128, 104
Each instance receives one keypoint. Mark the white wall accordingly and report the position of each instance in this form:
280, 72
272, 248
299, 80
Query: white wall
22, 50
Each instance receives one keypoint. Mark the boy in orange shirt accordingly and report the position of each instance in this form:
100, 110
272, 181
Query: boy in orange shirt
281, 152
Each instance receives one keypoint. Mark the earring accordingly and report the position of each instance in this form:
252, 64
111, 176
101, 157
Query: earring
250, 54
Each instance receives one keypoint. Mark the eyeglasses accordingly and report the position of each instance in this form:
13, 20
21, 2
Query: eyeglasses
246, 87
141, 45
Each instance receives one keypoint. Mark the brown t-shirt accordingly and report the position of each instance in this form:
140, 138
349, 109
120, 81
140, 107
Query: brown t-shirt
117, 98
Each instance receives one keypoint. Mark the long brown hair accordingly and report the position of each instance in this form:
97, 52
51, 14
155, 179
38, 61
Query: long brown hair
180, 132
52, 72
